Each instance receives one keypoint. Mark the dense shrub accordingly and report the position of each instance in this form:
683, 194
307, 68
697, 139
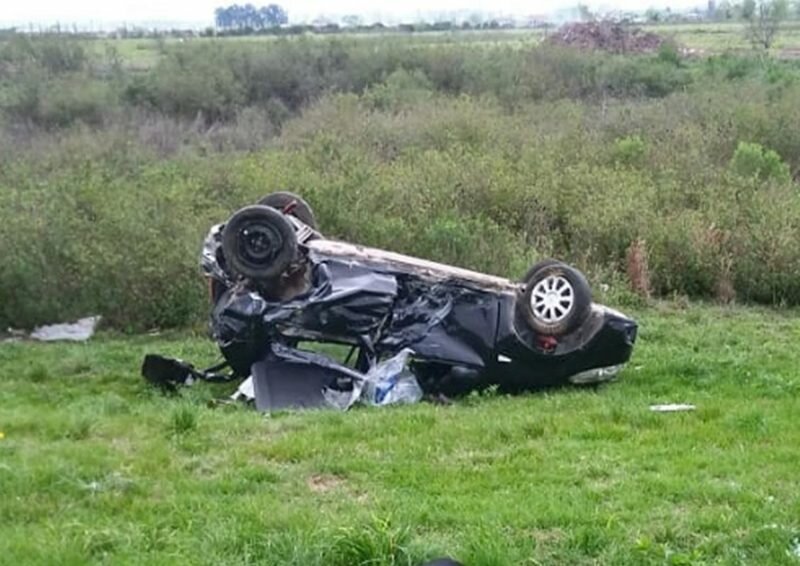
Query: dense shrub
51, 54
188, 83
216, 78
753, 160
629, 150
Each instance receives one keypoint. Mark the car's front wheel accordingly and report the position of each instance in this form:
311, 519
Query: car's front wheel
258, 242
556, 299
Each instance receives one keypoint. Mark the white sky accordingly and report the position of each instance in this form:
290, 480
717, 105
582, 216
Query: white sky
85, 12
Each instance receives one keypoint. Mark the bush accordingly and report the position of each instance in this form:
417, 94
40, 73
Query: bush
60, 101
629, 150
400, 90
642, 76
189, 84
53, 54
753, 160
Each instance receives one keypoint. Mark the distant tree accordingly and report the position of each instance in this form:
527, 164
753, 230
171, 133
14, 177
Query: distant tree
249, 17
747, 10
764, 23
222, 18
652, 15
475, 19
275, 15
584, 13
724, 11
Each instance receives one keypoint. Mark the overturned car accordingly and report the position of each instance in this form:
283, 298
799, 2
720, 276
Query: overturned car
276, 284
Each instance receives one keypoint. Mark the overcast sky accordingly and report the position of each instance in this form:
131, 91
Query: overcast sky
198, 12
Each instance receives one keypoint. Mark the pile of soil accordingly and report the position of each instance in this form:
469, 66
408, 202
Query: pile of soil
607, 36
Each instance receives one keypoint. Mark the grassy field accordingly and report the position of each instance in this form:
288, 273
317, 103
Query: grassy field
707, 38
143, 53
97, 468
717, 37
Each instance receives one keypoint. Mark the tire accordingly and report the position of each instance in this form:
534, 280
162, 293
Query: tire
301, 209
539, 265
258, 242
556, 300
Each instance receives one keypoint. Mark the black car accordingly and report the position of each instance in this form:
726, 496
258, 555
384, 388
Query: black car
277, 284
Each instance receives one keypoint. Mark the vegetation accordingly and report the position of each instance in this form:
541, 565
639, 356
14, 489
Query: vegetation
97, 468
764, 18
484, 155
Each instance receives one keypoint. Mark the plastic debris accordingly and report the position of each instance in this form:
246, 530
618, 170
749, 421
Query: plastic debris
391, 382
245, 391
672, 408
78, 331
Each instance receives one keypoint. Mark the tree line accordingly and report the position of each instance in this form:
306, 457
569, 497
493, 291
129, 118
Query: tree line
248, 16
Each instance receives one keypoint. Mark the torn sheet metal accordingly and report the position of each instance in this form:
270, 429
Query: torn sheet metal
291, 378
463, 338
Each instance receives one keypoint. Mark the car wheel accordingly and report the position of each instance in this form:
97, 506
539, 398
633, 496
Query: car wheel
556, 300
539, 265
258, 242
298, 207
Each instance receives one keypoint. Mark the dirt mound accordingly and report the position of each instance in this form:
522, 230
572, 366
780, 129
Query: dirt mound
608, 36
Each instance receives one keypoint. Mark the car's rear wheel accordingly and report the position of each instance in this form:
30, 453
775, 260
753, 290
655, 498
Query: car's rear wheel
258, 242
293, 204
556, 300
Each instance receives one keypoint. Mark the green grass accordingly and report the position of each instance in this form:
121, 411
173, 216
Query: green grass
95, 467
718, 37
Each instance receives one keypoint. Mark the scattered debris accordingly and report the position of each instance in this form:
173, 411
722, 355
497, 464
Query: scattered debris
597, 375
167, 373
290, 378
245, 391
609, 36
672, 408
392, 383
78, 331
413, 326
